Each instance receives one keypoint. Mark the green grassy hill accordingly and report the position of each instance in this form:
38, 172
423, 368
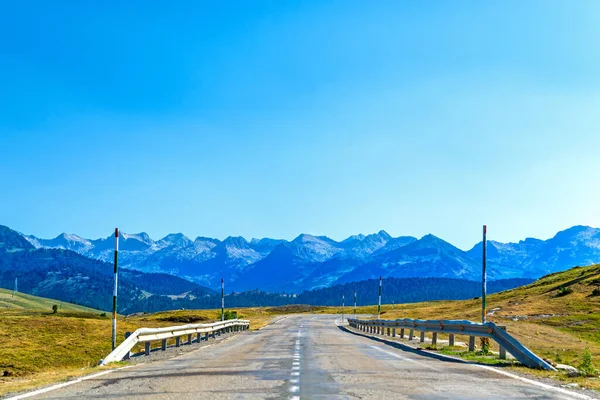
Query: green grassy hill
23, 302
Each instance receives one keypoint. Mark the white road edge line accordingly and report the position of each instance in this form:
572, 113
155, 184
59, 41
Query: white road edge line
85, 378
520, 378
536, 383
61, 385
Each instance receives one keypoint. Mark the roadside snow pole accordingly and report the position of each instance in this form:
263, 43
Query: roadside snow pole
222, 299
379, 304
16, 287
114, 321
342, 309
483, 277
355, 304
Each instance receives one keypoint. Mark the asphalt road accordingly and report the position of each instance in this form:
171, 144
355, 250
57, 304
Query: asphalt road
303, 357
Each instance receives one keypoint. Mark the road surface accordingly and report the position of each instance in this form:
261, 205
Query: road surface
303, 357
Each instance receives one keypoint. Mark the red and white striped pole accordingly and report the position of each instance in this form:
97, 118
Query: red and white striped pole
114, 321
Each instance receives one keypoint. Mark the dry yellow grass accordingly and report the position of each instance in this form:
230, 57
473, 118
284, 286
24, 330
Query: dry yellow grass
558, 328
38, 347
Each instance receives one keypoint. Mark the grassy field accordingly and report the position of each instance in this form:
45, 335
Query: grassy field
557, 324
24, 302
40, 347
557, 327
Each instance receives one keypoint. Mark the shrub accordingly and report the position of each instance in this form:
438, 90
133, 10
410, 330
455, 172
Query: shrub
586, 367
485, 345
563, 291
54, 309
228, 315
596, 292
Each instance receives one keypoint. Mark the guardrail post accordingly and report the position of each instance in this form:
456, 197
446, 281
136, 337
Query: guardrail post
163, 347
147, 348
198, 338
177, 341
206, 336
189, 338
502, 354
462, 328
128, 355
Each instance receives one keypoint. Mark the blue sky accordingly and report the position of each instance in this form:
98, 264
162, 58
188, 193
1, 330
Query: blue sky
274, 118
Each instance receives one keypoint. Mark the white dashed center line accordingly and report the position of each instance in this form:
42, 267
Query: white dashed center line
295, 380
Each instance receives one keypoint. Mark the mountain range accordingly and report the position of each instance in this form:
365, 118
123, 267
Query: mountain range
313, 262
71, 277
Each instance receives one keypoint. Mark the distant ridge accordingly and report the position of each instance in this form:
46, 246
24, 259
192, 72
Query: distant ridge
311, 262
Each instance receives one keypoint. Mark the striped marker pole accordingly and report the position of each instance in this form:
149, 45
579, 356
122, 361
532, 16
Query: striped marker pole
114, 321
484, 277
379, 304
355, 304
342, 309
222, 299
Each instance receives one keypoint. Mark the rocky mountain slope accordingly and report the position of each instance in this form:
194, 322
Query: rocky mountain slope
312, 262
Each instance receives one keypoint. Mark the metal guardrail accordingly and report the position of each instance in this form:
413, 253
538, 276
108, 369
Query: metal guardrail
147, 335
453, 327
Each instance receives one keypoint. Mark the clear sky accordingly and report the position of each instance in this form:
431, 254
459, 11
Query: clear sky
272, 118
